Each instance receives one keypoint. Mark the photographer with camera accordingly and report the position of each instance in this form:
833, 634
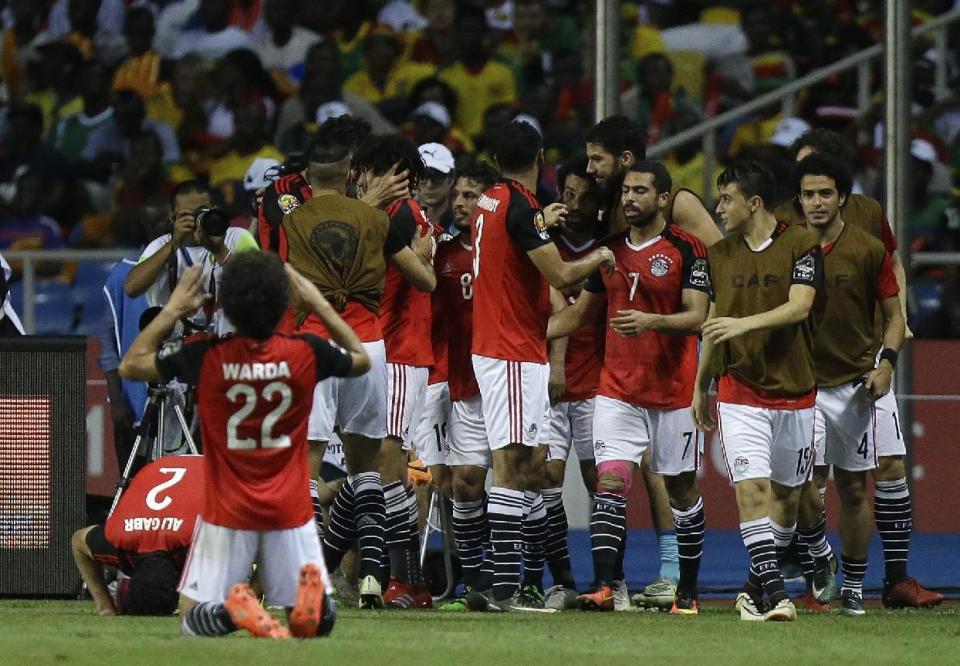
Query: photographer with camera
201, 237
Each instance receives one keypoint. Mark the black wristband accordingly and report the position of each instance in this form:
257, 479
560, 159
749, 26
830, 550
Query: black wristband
890, 355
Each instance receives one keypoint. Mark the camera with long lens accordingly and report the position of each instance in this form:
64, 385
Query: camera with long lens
212, 221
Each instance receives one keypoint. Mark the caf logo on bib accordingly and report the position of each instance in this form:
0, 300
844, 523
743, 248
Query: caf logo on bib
660, 265
287, 203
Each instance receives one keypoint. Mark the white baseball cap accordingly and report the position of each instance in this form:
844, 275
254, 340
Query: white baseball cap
530, 120
434, 110
256, 173
924, 151
437, 156
333, 109
789, 130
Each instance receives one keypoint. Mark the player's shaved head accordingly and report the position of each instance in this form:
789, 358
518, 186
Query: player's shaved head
254, 293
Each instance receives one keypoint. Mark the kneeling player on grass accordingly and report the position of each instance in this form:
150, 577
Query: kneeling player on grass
146, 537
254, 393
655, 303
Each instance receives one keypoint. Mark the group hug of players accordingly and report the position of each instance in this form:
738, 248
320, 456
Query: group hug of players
599, 322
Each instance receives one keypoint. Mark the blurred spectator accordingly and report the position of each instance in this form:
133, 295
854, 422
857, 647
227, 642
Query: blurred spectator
296, 121
141, 70
433, 191
479, 81
23, 145
495, 118
25, 227
18, 44
686, 162
401, 16
237, 78
283, 47
653, 102
107, 16
72, 134
529, 46
144, 178
262, 172
350, 36
54, 82
386, 80
112, 141
249, 141
210, 34
437, 42
928, 209
85, 29
432, 89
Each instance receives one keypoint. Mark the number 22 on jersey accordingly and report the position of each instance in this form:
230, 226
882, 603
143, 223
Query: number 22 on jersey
247, 395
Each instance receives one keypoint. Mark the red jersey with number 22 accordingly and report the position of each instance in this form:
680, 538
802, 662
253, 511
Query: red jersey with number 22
453, 315
254, 397
511, 299
652, 370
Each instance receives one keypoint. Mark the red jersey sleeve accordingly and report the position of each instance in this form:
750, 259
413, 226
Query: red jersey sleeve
887, 237
886, 279
332, 360
182, 360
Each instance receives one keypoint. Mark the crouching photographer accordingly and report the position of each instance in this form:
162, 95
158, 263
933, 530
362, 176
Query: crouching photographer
147, 537
201, 236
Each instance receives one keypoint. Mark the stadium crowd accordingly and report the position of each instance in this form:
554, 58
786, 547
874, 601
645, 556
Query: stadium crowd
365, 143
108, 104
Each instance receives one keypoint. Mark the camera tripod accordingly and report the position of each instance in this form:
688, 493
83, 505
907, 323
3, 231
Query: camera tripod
150, 434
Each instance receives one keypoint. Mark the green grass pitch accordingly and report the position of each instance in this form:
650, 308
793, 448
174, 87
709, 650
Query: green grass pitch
67, 632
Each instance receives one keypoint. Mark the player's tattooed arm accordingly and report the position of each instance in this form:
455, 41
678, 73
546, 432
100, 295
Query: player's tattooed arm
140, 361
700, 405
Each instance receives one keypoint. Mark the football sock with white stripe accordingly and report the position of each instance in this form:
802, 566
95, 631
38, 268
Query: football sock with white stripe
854, 570
397, 530
782, 536
413, 544
534, 530
558, 556
892, 511
758, 538
470, 530
341, 533
689, 524
207, 618
370, 512
505, 513
317, 508
813, 545
608, 525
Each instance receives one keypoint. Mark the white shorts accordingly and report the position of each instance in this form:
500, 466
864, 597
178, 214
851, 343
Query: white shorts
220, 557
356, 405
406, 389
515, 400
845, 428
468, 434
430, 437
764, 443
569, 424
890, 441
622, 431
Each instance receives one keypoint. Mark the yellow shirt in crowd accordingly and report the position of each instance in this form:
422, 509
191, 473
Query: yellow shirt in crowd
479, 91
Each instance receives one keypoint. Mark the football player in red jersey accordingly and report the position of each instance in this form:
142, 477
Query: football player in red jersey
514, 264
655, 304
254, 393
575, 363
146, 537
613, 145
405, 319
467, 453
